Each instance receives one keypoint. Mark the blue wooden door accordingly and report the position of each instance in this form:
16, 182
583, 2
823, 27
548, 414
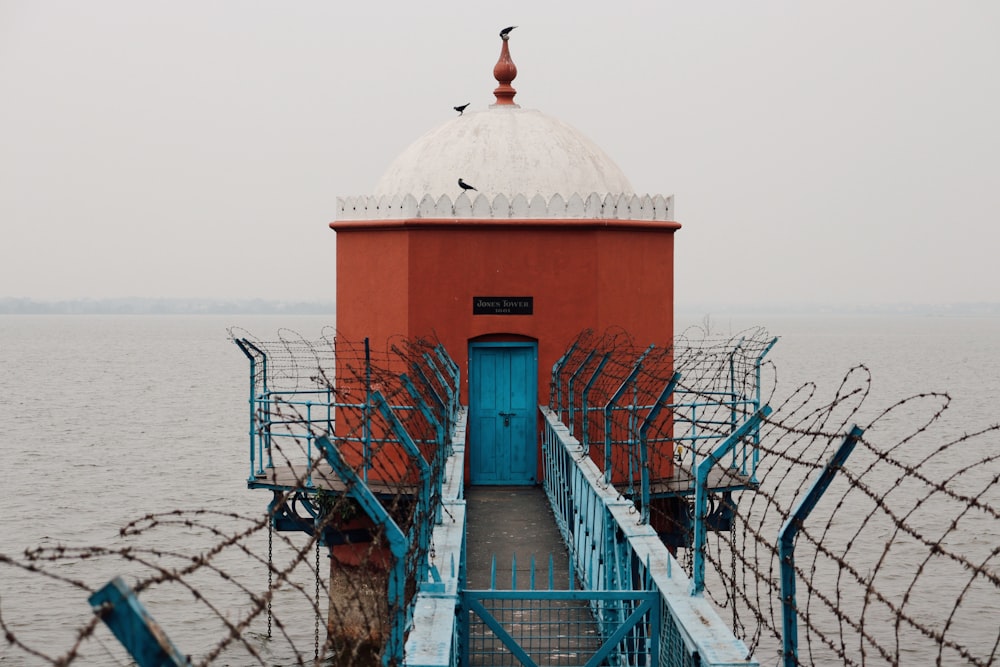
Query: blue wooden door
503, 391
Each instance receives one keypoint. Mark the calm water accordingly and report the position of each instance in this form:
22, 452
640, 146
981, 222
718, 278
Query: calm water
104, 419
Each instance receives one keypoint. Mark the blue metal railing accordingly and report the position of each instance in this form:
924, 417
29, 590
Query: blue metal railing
438, 593
417, 430
430, 614
707, 419
273, 421
633, 422
289, 416
613, 550
117, 605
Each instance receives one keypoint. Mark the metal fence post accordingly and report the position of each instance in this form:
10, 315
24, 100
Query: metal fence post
701, 491
359, 491
256, 445
556, 385
569, 388
644, 445
756, 435
786, 545
609, 408
584, 396
423, 523
119, 608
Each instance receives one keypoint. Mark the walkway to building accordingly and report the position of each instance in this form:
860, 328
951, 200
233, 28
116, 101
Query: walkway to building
493, 565
512, 522
513, 527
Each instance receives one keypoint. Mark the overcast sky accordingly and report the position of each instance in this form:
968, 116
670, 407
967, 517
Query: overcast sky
819, 152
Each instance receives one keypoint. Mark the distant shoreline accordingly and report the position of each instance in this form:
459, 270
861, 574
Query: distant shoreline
180, 306
914, 309
141, 306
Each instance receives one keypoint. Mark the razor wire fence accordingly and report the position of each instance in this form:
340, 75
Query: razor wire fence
899, 563
372, 475
327, 569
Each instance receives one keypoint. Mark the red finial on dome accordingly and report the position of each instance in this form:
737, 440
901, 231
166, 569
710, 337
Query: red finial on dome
505, 71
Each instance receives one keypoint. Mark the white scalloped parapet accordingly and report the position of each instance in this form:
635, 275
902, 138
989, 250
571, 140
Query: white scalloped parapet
593, 206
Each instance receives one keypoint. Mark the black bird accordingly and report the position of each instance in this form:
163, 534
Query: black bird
465, 186
461, 108
505, 33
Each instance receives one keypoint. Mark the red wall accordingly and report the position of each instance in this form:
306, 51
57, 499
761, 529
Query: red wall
417, 278
372, 275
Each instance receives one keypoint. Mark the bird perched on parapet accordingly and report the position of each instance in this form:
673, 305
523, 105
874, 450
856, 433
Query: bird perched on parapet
461, 108
465, 186
505, 33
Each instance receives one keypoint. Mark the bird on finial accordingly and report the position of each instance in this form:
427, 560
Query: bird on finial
505, 33
461, 108
465, 186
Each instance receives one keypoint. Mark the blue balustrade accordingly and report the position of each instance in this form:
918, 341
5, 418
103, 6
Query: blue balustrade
612, 549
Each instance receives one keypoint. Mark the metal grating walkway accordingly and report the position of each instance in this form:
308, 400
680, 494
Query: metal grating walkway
515, 525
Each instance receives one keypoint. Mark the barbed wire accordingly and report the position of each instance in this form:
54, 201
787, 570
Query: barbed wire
898, 564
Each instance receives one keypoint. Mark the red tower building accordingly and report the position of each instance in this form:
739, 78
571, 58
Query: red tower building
551, 241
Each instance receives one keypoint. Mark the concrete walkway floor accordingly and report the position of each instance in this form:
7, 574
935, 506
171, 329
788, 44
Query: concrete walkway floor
505, 521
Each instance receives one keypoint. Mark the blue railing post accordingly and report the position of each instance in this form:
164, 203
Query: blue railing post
309, 443
329, 410
608, 409
454, 388
584, 400
256, 445
756, 435
786, 545
701, 492
455, 373
569, 388
451, 391
694, 437
366, 414
441, 442
733, 414
359, 491
253, 423
556, 371
421, 405
651, 416
147, 643
426, 381
422, 524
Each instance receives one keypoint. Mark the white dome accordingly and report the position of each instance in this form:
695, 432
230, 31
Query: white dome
504, 150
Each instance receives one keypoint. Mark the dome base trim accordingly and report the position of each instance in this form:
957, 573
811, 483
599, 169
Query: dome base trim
593, 206
511, 224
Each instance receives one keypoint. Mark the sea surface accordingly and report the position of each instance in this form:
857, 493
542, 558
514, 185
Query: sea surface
105, 419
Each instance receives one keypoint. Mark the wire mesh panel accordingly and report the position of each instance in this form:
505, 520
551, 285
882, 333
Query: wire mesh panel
561, 627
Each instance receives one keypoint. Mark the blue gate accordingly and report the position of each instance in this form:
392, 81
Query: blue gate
571, 628
503, 391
